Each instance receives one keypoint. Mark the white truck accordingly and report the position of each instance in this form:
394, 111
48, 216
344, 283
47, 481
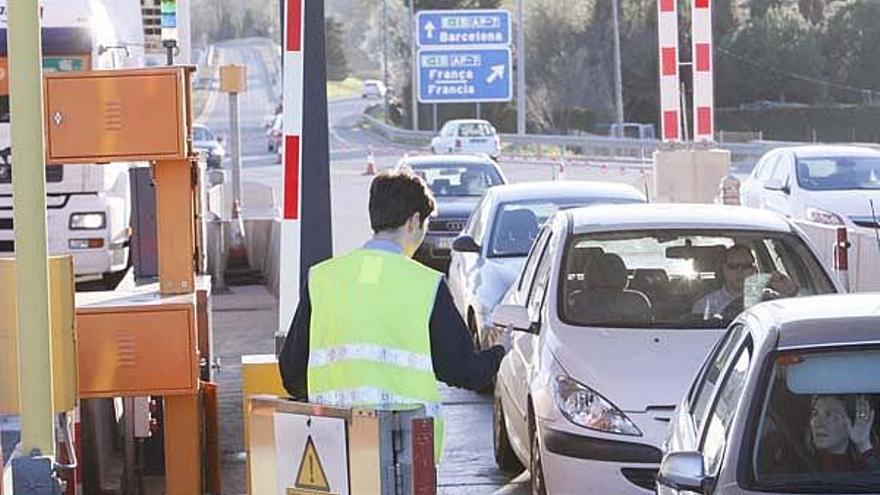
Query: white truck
88, 206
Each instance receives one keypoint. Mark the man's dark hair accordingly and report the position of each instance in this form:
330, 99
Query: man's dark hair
395, 197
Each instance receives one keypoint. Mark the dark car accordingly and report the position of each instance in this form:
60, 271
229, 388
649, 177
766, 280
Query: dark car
458, 182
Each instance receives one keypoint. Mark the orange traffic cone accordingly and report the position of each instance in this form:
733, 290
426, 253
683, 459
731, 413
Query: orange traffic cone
371, 162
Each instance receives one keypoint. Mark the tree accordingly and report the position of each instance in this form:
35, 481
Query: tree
337, 63
851, 40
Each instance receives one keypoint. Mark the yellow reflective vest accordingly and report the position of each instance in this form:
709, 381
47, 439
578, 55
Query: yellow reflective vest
369, 337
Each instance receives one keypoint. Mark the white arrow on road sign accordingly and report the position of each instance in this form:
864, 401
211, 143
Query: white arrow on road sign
429, 29
497, 73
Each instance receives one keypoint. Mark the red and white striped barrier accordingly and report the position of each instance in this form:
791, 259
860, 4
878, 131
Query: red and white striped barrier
293, 124
670, 92
703, 65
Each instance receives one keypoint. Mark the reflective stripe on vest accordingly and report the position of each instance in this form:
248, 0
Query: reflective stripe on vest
369, 337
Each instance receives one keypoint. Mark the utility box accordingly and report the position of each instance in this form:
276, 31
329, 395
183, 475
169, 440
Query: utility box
233, 78
136, 343
119, 115
144, 242
61, 290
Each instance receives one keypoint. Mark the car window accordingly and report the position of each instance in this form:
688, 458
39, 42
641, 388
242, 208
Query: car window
458, 179
723, 412
768, 167
782, 170
542, 279
528, 271
839, 173
201, 134
517, 222
711, 373
818, 422
474, 129
681, 279
474, 227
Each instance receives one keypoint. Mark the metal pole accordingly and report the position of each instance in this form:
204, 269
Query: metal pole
618, 76
385, 56
415, 66
521, 69
235, 146
29, 212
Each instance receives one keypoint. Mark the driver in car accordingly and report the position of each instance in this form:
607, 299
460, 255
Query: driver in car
738, 264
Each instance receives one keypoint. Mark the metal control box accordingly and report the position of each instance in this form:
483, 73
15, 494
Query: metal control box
136, 343
119, 115
61, 289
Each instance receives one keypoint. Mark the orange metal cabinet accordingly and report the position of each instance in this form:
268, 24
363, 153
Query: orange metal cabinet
120, 115
136, 344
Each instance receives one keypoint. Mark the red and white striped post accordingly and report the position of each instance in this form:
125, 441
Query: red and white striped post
703, 69
670, 92
291, 245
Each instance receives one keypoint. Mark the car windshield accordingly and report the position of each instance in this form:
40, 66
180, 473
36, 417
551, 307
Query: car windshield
681, 278
458, 179
839, 173
474, 129
517, 222
202, 134
818, 425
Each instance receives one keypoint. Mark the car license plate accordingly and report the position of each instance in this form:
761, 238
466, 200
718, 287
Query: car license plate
444, 243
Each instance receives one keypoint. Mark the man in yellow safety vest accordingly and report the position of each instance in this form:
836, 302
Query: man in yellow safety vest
375, 328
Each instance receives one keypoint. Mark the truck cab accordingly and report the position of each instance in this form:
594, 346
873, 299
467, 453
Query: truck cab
88, 206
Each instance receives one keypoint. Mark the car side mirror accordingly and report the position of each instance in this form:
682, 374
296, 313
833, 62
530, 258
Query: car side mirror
683, 471
777, 185
465, 244
512, 316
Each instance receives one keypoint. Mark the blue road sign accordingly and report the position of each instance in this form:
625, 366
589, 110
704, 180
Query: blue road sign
464, 76
463, 27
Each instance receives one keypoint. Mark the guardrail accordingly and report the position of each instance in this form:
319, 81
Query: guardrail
743, 155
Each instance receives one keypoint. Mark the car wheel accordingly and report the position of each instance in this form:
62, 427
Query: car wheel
505, 458
537, 486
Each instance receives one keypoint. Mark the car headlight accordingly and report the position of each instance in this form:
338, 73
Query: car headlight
88, 221
823, 216
583, 406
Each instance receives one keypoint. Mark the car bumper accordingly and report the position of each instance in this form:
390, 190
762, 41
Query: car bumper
573, 462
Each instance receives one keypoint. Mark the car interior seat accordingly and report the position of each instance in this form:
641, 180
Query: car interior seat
606, 299
517, 231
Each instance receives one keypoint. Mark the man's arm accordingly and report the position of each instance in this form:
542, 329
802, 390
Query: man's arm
456, 362
294, 358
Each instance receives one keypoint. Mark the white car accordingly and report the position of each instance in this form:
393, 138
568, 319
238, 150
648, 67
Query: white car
467, 136
373, 89
771, 409
491, 251
825, 184
606, 338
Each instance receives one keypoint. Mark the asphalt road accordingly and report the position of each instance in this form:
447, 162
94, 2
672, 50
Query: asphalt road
468, 465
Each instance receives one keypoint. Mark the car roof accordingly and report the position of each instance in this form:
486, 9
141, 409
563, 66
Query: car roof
815, 321
601, 218
815, 151
563, 189
467, 121
414, 161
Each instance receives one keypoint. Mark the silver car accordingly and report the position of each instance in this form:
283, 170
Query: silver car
785, 403
490, 253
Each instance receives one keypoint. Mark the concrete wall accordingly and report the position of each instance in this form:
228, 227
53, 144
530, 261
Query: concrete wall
688, 175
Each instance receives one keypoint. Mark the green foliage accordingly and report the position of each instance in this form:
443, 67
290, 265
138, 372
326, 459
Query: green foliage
337, 63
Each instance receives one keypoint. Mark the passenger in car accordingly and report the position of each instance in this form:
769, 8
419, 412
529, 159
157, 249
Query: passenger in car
840, 433
738, 264
606, 299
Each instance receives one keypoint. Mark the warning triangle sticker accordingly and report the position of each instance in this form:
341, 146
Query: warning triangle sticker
311, 474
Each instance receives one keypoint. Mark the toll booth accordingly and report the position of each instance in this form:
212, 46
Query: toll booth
152, 340
296, 448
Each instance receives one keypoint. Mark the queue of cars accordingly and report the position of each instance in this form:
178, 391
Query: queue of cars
614, 308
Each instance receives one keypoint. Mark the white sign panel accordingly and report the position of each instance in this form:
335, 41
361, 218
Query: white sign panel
312, 455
